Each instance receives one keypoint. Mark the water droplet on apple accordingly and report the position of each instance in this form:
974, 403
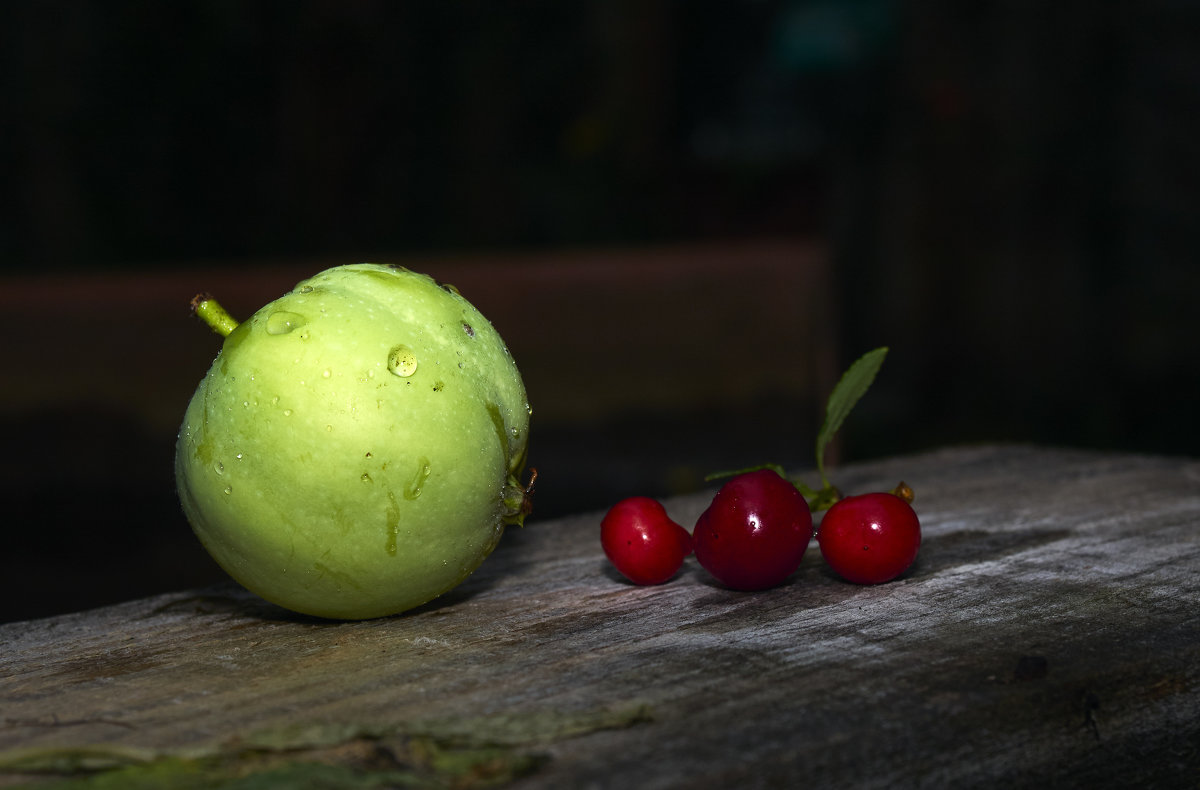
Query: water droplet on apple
393, 523
306, 289
366, 478
413, 489
287, 412
281, 322
326, 373
219, 468
228, 489
402, 361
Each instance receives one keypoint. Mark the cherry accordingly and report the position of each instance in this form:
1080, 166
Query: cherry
755, 532
870, 538
641, 540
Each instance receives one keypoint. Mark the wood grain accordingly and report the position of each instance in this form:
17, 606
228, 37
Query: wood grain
1049, 634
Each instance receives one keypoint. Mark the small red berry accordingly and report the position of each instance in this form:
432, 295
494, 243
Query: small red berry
642, 541
870, 538
755, 532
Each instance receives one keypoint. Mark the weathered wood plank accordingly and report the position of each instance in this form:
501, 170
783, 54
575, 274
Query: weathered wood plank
1050, 632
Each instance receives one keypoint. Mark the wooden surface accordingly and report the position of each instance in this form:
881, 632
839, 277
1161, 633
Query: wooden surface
1049, 635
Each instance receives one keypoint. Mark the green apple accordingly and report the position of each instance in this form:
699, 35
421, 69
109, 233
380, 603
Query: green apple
356, 448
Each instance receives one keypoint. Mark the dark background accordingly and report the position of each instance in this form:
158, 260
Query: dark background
1009, 192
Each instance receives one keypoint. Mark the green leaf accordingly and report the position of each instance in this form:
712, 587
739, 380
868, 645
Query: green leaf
776, 468
853, 385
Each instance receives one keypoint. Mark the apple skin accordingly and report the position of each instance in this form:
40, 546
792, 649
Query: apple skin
356, 447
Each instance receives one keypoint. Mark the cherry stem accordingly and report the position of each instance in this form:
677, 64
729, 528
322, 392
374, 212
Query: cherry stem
211, 312
826, 498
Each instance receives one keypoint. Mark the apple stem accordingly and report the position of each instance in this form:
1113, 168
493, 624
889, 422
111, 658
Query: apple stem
211, 312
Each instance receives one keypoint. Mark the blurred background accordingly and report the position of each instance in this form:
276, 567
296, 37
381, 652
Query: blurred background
685, 218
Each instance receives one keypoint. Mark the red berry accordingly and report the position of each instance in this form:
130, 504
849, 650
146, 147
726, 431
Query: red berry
870, 538
755, 532
641, 540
